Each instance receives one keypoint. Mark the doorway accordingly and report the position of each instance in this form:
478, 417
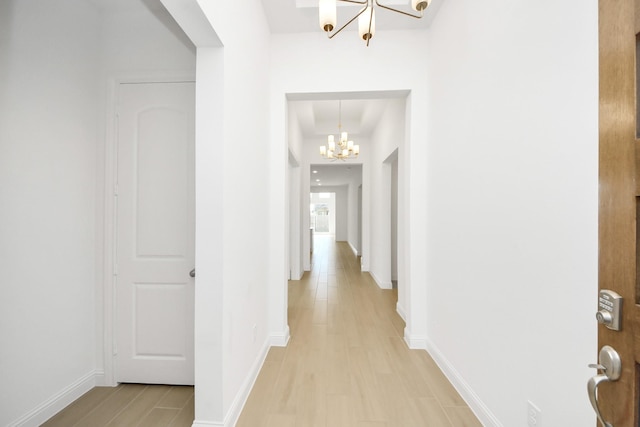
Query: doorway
378, 122
155, 233
393, 161
323, 213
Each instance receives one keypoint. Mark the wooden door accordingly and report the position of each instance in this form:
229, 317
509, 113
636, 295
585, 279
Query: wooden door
155, 233
618, 204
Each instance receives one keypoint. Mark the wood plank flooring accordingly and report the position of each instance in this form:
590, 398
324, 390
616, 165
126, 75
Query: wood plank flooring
129, 405
346, 363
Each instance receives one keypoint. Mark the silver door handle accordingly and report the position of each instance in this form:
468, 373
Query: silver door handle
612, 366
592, 388
192, 273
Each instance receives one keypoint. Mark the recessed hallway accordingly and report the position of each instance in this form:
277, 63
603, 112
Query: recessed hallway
346, 363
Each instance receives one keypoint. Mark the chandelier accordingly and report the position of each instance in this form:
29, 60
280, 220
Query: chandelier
366, 17
344, 149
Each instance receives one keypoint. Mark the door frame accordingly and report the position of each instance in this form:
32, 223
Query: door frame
107, 218
294, 218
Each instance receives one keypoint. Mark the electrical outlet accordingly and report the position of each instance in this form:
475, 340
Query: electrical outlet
533, 415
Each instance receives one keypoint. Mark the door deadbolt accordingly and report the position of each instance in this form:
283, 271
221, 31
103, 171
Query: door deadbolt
609, 309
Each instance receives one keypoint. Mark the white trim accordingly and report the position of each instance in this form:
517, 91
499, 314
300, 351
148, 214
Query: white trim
415, 342
281, 339
400, 311
57, 402
241, 397
243, 394
354, 250
100, 379
381, 284
110, 206
108, 280
486, 417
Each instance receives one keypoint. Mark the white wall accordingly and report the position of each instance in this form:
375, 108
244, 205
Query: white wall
353, 227
231, 243
387, 137
394, 217
513, 204
48, 132
297, 211
140, 42
295, 139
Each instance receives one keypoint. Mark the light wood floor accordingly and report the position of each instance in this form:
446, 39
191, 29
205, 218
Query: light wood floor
129, 405
346, 363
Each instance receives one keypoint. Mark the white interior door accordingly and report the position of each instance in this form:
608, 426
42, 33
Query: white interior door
155, 233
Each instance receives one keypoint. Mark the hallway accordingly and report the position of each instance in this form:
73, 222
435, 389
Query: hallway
346, 363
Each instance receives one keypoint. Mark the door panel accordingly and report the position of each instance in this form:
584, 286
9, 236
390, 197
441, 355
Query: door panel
161, 163
158, 335
155, 233
618, 400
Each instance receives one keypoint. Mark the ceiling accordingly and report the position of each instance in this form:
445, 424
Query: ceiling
319, 118
333, 174
301, 16
127, 5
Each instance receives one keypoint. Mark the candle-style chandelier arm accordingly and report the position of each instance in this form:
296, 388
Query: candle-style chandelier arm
366, 28
399, 11
364, 2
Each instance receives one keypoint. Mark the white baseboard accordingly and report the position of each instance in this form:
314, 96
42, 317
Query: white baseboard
241, 397
354, 250
274, 340
400, 311
58, 401
280, 339
277, 340
415, 342
478, 407
101, 379
381, 284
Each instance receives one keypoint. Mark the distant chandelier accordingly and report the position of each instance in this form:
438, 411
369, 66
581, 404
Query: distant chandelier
344, 149
366, 16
